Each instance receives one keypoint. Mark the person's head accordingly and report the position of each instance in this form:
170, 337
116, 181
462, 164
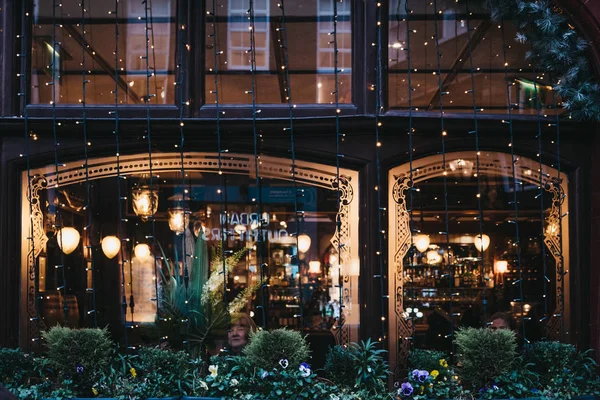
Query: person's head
500, 320
239, 333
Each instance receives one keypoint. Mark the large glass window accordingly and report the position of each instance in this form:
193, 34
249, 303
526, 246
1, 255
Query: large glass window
443, 282
58, 66
310, 48
173, 224
455, 49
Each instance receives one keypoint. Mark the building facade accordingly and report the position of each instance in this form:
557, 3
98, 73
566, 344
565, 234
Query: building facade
368, 162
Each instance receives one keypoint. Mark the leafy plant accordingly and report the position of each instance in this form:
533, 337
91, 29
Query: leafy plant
340, 366
485, 355
16, 367
268, 348
428, 360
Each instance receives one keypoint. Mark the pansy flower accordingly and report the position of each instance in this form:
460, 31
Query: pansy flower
434, 374
422, 376
305, 370
406, 389
213, 369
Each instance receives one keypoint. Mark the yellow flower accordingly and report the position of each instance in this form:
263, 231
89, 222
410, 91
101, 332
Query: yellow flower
422, 389
213, 370
434, 374
444, 363
133, 373
95, 392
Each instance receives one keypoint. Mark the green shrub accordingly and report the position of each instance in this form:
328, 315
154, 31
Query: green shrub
340, 366
428, 360
361, 365
485, 355
550, 358
67, 348
16, 367
267, 348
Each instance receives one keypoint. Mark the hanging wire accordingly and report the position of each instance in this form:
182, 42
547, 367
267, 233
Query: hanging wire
222, 191
147, 97
32, 262
184, 191
338, 156
448, 268
559, 182
255, 136
378, 87
475, 132
514, 161
86, 144
298, 215
411, 132
122, 250
62, 288
536, 97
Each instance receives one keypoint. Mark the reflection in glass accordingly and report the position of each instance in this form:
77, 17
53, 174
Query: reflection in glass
99, 52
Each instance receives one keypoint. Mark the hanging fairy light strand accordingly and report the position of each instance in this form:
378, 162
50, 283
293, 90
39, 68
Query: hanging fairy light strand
147, 97
514, 161
257, 162
88, 253
121, 219
62, 288
183, 46
561, 256
338, 156
475, 133
541, 187
411, 187
448, 269
298, 214
378, 87
32, 262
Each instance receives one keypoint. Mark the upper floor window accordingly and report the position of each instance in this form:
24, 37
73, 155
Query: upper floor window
460, 50
62, 46
309, 26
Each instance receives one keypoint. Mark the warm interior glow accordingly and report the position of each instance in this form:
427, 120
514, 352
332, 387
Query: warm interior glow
111, 246
433, 257
142, 251
314, 267
481, 242
178, 220
68, 239
421, 242
501, 266
145, 202
303, 243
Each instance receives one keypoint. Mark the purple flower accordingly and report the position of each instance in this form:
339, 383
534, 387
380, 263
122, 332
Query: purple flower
415, 373
305, 370
422, 376
79, 368
406, 389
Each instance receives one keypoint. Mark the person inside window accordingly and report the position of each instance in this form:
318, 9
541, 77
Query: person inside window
500, 320
239, 333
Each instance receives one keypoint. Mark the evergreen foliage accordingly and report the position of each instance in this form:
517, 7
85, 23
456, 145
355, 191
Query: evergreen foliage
267, 348
556, 48
485, 355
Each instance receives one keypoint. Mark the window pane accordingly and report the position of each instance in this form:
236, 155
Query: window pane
309, 25
99, 55
455, 49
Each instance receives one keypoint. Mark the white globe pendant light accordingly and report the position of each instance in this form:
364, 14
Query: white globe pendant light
68, 239
421, 242
481, 242
111, 246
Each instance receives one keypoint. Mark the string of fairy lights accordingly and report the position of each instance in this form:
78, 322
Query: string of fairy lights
298, 214
222, 190
62, 287
411, 131
88, 253
147, 98
123, 241
475, 133
28, 136
184, 212
448, 270
257, 162
338, 156
378, 87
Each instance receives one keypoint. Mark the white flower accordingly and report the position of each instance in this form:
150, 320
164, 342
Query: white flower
213, 370
284, 363
234, 382
204, 385
305, 370
264, 374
